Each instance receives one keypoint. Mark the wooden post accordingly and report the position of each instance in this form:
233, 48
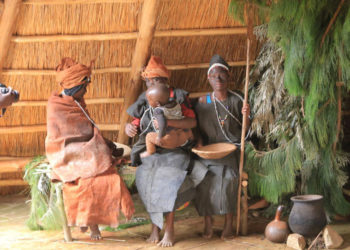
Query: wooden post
244, 221
141, 55
244, 123
66, 229
7, 24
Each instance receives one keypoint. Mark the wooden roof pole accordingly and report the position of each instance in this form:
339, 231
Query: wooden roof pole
7, 24
141, 55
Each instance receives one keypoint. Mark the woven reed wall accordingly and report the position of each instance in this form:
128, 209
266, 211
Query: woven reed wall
105, 18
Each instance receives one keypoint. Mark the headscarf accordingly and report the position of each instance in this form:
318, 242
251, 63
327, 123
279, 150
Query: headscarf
217, 61
155, 68
70, 74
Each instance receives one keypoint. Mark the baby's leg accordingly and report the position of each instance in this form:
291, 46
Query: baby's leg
150, 144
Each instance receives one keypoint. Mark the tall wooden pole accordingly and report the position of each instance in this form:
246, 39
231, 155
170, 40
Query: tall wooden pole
244, 124
141, 55
7, 24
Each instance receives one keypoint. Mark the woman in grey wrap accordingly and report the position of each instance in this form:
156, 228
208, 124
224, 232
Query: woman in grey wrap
219, 116
165, 180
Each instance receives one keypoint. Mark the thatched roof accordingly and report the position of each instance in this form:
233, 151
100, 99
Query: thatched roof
188, 33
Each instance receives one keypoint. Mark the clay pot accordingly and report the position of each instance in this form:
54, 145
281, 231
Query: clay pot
307, 216
277, 231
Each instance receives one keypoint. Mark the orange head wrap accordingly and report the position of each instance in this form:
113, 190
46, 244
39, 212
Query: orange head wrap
70, 73
155, 68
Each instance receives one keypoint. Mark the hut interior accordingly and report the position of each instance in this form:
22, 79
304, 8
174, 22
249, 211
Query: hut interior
38, 33
106, 31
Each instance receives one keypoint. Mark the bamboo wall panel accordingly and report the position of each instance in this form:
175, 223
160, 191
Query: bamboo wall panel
78, 18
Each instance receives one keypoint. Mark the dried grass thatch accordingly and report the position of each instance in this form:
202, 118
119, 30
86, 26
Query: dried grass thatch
103, 85
46, 55
79, 19
192, 14
199, 49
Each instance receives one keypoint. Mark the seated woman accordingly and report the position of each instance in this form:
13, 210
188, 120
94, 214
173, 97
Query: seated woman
219, 117
81, 158
161, 178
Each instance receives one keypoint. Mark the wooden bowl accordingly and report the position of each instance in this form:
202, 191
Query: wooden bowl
215, 151
127, 149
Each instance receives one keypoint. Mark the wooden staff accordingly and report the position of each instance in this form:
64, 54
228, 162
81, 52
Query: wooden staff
244, 124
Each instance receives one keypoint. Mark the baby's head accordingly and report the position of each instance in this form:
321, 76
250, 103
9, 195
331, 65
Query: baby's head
158, 95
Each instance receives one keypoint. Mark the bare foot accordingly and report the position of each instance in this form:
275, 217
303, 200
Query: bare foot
154, 237
144, 154
95, 233
168, 239
208, 227
83, 229
227, 233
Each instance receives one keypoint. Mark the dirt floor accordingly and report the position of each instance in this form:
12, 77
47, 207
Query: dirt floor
14, 234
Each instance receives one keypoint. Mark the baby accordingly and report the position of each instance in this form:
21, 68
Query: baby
164, 108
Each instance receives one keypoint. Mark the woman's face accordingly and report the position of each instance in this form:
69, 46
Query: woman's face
156, 80
218, 78
80, 94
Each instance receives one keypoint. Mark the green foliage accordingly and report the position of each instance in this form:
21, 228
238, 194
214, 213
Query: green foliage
295, 109
44, 212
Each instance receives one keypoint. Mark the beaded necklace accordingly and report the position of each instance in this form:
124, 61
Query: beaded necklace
222, 121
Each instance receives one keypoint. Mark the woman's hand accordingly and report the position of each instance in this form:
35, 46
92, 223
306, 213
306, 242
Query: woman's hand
246, 110
130, 129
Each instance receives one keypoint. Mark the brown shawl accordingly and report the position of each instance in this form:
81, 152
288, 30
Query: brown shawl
74, 147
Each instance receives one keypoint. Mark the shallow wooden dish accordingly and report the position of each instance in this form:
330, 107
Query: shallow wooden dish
127, 149
215, 151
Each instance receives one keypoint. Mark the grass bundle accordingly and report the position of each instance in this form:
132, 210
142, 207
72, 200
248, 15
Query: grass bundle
44, 212
79, 18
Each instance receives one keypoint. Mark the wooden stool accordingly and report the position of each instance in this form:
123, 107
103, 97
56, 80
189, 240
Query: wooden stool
66, 229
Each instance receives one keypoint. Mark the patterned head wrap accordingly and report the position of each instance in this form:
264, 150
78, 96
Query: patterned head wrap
155, 68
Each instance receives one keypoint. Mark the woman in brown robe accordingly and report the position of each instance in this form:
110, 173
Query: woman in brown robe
81, 158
